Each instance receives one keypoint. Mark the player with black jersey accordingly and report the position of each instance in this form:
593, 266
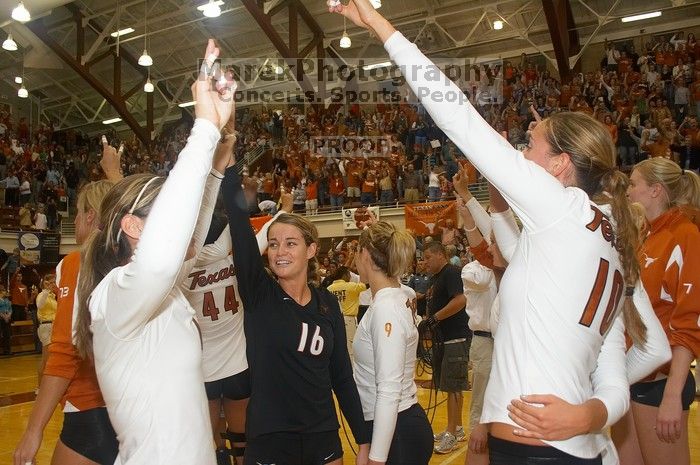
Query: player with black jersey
296, 350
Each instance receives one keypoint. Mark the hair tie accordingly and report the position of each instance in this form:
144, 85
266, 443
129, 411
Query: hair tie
629, 291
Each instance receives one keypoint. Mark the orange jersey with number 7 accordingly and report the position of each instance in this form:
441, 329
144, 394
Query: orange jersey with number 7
670, 271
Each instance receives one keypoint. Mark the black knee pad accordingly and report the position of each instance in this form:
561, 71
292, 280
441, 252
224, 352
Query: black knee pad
233, 438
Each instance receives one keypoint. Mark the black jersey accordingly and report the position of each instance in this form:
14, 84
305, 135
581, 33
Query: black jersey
297, 354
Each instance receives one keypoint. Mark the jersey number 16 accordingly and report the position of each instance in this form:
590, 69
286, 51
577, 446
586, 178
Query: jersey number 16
316, 345
210, 309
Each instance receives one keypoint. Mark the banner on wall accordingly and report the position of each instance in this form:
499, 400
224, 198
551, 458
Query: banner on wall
259, 221
38, 247
352, 217
29, 244
427, 219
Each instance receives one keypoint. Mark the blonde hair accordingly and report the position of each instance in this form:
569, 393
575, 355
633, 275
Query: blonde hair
682, 186
105, 250
310, 235
48, 278
91, 195
592, 153
391, 250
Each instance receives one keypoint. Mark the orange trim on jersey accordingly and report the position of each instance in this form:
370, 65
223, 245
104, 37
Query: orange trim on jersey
64, 362
482, 255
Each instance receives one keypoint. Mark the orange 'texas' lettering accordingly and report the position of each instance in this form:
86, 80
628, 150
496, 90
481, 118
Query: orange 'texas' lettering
199, 278
600, 220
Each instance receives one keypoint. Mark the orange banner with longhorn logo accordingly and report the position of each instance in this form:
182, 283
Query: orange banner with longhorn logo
427, 219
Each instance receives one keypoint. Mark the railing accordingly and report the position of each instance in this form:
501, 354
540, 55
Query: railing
479, 190
250, 157
68, 226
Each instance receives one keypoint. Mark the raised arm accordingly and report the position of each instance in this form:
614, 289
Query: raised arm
142, 284
222, 159
541, 200
250, 271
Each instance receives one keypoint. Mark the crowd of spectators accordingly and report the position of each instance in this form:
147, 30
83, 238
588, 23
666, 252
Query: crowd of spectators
649, 100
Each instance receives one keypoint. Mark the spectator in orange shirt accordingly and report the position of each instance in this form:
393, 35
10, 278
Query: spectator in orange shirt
19, 296
312, 195
354, 182
612, 128
369, 189
337, 189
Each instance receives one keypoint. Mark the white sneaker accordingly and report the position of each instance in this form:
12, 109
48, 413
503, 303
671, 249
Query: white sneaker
459, 434
447, 444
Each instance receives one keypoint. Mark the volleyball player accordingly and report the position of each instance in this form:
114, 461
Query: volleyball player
87, 436
555, 292
296, 345
385, 352
145, 342
211, 287
670, 270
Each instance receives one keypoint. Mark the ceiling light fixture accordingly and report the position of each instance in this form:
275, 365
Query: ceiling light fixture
145, 59
377, 4
377, 65
22, 92
148, 87
629, 19
186, 104
110, 121
18, 79
498, 25
345, 41
9, 44
212, 9
123, 32
21, 14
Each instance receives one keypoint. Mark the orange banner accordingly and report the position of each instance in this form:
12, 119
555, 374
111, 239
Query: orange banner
259, 221
427, 219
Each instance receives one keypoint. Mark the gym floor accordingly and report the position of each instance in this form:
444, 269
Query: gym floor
18, 380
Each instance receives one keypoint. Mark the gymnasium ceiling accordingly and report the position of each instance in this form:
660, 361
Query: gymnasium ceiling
177, 32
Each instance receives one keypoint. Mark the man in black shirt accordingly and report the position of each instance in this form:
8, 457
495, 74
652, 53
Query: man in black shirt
447, 314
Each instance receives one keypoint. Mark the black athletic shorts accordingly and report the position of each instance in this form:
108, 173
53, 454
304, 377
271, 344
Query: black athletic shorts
502, 452
90, 434
651, 393
294, 449
236, 387
412, 443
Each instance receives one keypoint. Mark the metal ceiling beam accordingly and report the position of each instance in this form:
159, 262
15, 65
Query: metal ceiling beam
562, 30
114, 97
290, 49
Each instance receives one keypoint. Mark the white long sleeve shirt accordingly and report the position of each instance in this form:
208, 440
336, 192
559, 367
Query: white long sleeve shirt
555, 292
480, 291
146, 345
385, 363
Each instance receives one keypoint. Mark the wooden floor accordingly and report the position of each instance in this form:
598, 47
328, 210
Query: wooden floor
18, 381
